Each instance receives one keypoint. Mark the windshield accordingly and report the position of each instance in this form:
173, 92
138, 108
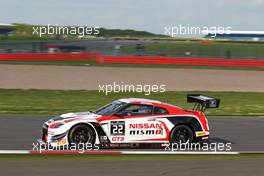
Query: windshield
110, 108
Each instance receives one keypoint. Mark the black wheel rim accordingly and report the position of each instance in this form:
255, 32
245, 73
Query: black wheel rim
182, 135
81, 135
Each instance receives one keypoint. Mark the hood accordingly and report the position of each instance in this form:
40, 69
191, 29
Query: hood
68, 116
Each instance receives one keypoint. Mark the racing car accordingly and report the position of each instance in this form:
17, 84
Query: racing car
132, 121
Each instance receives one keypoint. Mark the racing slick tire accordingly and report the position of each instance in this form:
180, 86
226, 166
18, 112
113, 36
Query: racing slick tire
81, 133
182, 134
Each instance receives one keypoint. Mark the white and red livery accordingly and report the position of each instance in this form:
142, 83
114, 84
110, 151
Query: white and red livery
132, 121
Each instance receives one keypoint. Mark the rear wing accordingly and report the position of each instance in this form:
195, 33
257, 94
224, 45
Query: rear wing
202, 102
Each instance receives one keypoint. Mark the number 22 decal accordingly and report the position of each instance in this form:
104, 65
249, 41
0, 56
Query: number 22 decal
117, 127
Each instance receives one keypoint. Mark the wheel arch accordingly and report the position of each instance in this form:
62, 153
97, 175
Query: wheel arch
190, 121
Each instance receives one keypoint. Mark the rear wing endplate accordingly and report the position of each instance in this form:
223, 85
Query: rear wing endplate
202, 102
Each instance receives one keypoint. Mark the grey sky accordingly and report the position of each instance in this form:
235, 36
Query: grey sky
150, 15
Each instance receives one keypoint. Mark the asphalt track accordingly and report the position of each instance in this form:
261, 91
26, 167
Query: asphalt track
134, 168
245, 133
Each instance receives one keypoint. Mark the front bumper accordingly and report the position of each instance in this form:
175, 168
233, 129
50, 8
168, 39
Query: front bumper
53, 140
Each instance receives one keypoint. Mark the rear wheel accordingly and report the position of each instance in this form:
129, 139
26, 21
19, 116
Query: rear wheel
181, 134
81, 134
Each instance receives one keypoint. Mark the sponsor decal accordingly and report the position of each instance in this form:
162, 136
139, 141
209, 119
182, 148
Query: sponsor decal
62, 142
118, 138
145, 129
146, 132
145, 126
201, 133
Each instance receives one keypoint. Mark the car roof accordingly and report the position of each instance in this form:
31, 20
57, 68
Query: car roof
141, 100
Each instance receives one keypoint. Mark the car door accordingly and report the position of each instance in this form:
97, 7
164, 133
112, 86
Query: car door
135, 124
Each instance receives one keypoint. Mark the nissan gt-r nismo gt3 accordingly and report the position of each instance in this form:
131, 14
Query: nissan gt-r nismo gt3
132, 121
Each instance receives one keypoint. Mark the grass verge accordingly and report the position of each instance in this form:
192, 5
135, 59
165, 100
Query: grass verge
30, 158
48, 102
201, 49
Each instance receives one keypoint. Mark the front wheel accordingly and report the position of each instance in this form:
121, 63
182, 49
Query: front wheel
181, 134
81, 134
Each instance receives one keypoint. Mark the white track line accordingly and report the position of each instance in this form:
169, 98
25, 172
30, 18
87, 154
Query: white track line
128, 152
180, 153
14, 152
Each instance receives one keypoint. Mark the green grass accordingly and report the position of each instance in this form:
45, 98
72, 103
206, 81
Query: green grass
172, 66
196, 49
30, 158
48, 102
